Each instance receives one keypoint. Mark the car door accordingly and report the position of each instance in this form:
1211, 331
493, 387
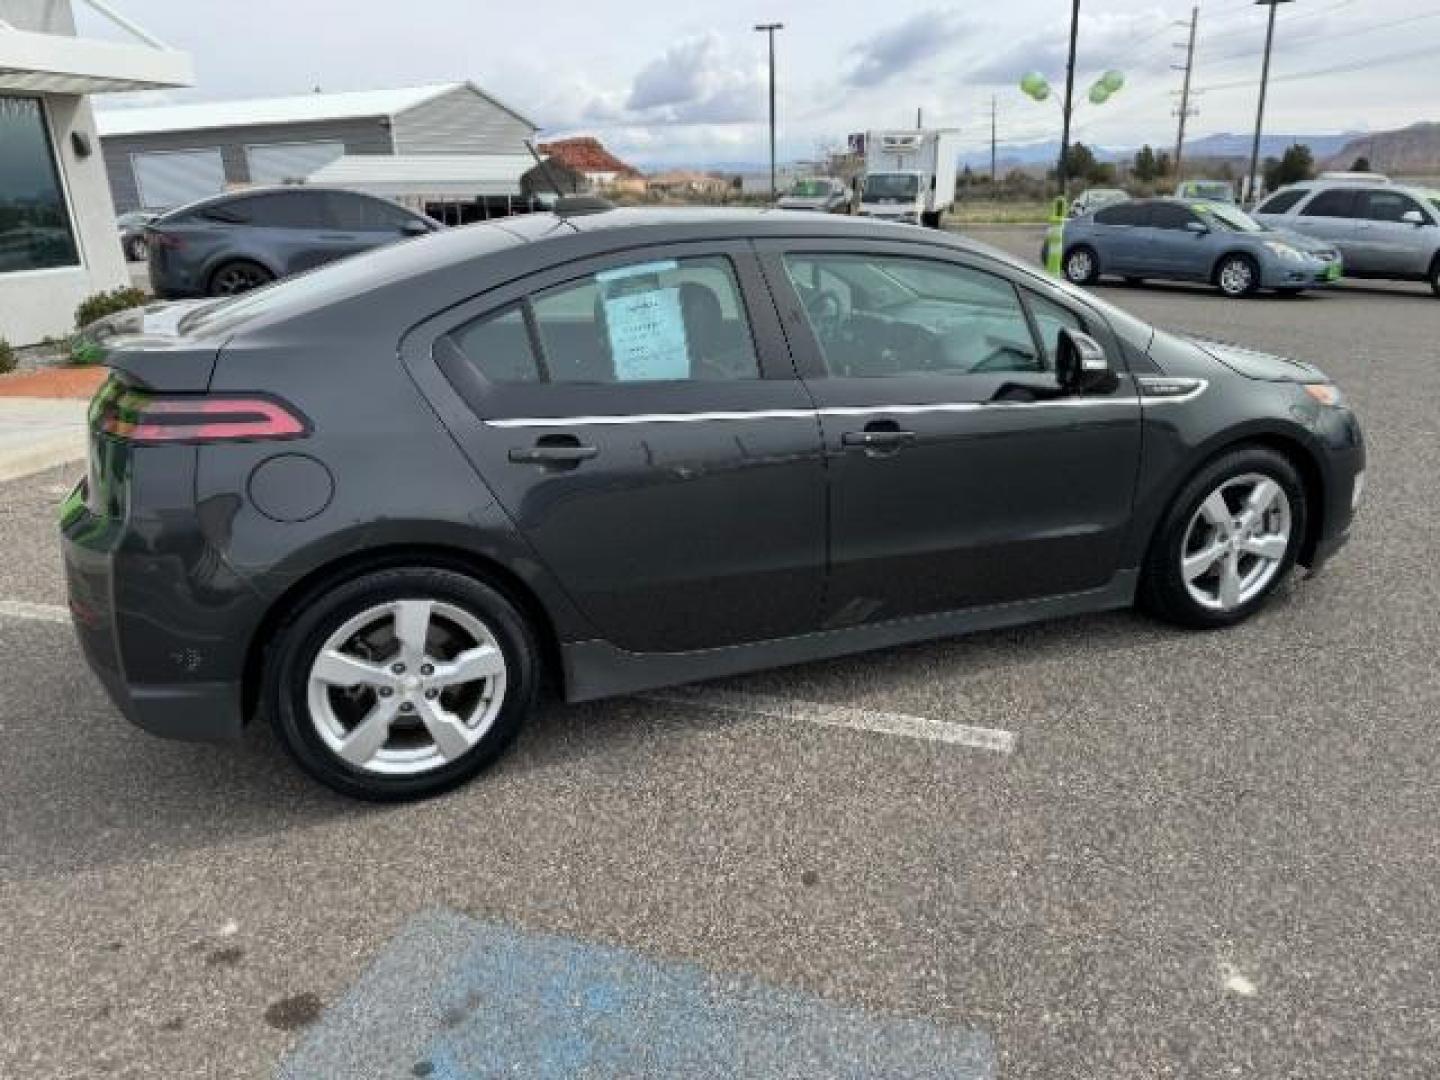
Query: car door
283, 226
360, 222
954, 482
1120, 234
1329, 214
639, 419
1172, 249
1385, 244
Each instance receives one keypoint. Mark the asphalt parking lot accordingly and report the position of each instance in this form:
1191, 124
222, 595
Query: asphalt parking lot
1196, 855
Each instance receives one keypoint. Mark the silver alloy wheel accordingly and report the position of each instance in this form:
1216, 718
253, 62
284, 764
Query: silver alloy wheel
406, 687
1078, 266
1236, 277
1236, 542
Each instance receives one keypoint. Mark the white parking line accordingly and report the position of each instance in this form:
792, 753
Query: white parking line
19, 609
885, 723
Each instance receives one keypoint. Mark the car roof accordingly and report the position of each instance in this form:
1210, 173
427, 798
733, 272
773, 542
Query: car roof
266, 189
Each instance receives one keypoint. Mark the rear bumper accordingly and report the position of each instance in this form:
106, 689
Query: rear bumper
172, 667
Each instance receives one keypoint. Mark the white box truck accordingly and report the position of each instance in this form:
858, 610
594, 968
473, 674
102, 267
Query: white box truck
910, 175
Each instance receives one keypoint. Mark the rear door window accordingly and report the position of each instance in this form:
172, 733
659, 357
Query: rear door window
1335, 203
1122, 214
669, 320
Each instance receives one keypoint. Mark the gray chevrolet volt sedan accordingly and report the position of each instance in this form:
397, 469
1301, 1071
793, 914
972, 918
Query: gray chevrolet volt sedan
383, 502
1195, 240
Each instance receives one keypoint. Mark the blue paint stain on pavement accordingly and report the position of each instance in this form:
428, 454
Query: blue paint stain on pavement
453, 998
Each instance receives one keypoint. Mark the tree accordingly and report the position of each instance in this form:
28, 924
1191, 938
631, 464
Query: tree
1360, 164
1163, 164
1146, 168
1079, 161
1295, 165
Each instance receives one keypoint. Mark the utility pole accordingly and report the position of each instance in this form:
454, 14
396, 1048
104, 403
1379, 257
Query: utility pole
919, 117
769, 30
1260, 109
1185, 110
992, 145
1069, 99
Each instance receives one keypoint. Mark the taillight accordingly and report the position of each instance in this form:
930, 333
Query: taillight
140, 417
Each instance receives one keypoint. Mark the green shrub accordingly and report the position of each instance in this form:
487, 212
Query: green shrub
107, 303
83, 351
8, 359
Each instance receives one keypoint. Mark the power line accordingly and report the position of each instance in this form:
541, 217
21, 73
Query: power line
1346, 33
1337, 69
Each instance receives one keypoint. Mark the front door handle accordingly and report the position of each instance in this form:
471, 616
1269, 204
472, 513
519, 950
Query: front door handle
555, 452
880, 437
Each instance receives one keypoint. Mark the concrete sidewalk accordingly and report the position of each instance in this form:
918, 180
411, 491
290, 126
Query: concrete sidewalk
39, 433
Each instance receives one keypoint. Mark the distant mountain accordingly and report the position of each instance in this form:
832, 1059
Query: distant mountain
1210, 146
1411, 151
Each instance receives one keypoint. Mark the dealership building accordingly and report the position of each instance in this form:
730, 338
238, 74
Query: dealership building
420, 144
58, 242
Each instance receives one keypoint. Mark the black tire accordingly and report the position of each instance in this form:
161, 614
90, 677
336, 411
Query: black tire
1435, 275
237, 276
1078, 270
1246, 276
297, 642
931, 219
137, 249
1163, 592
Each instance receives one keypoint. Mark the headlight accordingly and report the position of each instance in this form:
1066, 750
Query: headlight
1325, 393
1285, 251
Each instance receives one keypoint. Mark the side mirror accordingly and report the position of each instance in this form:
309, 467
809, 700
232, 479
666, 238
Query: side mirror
414, 227
1413, 217
1081, 366
1199, 228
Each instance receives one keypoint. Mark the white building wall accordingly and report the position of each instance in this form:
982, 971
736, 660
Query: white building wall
35, 304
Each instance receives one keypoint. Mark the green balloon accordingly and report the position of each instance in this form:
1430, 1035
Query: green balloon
1098, 94
1113, 81
1035, 85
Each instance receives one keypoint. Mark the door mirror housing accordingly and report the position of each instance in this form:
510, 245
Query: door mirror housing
1081, 366
415, 227
1413, 217
1199, 228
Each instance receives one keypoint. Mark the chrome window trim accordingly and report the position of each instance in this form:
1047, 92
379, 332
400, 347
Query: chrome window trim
798, 414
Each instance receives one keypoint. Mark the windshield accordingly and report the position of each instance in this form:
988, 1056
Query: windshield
1212, 189
811, 189
1232, 219
891, 186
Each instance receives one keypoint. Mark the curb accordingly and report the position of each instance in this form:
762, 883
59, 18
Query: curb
46, 452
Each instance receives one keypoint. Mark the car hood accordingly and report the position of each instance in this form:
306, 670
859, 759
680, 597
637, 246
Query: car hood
1299, 240
1260, 365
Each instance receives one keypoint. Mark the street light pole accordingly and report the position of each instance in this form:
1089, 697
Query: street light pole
1260, 110
1069, 93
769, 30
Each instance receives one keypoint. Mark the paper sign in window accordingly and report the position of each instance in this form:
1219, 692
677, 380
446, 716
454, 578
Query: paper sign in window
645, 324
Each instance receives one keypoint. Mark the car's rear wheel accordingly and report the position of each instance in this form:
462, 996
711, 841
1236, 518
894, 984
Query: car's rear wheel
1237, 275
402, 683
1228, 540
1082, 265
1435, 275
237, 277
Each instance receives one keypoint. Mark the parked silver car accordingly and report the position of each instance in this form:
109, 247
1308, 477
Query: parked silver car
1087, 202
823, 193
1194, 240
1383, 230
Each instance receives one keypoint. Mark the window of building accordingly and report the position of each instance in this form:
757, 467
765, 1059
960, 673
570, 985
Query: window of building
35, 230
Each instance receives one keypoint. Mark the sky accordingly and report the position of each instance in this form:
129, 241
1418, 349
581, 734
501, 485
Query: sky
673, 83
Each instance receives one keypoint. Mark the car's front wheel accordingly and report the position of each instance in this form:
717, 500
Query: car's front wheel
237, 277
402, 683
1228, 540
1237, 275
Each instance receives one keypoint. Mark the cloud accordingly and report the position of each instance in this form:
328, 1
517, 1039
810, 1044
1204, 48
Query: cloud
699, 80
1132, 42
904, 46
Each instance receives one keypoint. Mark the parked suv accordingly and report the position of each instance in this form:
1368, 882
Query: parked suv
642, 447
1384, 230
233, 243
